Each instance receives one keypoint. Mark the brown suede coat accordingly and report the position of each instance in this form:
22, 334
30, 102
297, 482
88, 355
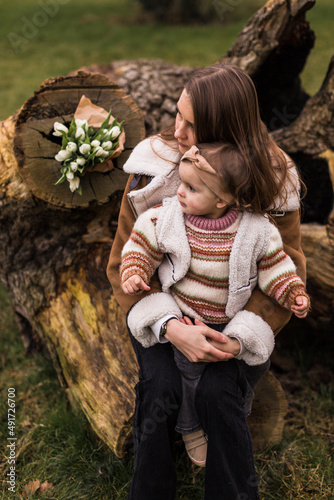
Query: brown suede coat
260, 304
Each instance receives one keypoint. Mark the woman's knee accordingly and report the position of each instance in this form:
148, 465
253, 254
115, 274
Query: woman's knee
157, 407
217, 376
160, 394
220, 387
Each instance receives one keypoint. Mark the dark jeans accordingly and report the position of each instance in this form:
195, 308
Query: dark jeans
221, 392
188, 420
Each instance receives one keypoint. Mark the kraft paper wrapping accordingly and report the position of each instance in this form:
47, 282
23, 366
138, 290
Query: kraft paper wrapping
95, 116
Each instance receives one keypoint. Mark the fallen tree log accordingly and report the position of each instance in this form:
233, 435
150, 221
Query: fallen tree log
310, 142
54, 245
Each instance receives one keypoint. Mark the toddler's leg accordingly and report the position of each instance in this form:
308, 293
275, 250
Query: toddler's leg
188, 423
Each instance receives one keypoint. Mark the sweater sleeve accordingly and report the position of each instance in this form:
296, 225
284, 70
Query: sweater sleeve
145, 309
255, 336
277, 276
141, 254
288, 223
259, 303
126, 222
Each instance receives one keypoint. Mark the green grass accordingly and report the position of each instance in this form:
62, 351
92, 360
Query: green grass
56, 447
320, 18
37, 44
54, 444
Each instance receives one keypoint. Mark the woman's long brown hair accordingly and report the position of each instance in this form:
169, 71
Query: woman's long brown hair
226, 110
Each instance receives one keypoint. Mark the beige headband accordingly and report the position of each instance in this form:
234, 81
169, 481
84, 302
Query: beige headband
207, 174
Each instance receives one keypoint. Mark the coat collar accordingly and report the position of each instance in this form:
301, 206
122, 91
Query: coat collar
152, 157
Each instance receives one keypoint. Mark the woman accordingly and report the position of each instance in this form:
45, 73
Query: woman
218, 104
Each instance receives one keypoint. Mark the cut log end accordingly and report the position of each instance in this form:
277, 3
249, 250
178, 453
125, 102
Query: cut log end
35, 146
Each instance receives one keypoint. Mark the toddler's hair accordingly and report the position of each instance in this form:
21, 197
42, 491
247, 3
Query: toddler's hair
235, 176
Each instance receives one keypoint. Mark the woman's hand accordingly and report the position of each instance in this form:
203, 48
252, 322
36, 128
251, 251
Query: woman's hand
231, 345
194, 341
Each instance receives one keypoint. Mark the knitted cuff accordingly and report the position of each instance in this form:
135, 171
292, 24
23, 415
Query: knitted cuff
296, 292
134, 272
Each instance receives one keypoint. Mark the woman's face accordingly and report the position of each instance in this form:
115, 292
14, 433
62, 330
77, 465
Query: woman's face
184, 123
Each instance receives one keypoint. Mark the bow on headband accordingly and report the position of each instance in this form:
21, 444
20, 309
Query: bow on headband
208, 175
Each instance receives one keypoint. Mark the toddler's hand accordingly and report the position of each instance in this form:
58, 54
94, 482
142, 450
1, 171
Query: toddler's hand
301, 306
134, 284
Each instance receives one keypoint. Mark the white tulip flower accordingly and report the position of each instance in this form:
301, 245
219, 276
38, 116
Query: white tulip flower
74, 184
74, 166
84, 148
59, 128
63, 155
71, 147
81, 161
70, 176
95, 143
103, 154
81, 123
80, 134
99, 151
106, 134
107, 145
115, 132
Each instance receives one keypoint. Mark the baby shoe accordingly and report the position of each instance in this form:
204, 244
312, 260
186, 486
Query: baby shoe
196, 445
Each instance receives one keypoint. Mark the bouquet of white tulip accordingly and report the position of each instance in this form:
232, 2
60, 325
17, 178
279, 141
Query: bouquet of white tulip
84, 147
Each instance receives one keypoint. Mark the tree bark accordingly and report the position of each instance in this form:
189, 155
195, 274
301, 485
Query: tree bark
310, 141
54, 246
273, 48
54, 249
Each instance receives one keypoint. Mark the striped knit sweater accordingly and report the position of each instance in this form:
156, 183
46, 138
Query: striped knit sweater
203, 291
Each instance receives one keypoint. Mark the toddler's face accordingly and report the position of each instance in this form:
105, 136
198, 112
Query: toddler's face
195, 197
